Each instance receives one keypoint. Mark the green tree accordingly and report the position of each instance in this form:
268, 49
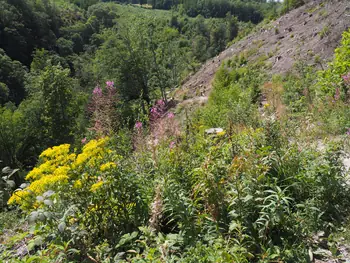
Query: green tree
59, 110
291, 4
12, 75
4, 93
26, 25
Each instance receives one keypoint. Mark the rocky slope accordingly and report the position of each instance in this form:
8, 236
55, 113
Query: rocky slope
311, 31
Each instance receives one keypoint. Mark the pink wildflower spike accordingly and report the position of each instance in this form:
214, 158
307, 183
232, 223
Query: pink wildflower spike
348, 132
83, 141
97, 91
154, 110
172, 145
138, 125
171, 115
337, 94
346, 78
160, 102
110, 84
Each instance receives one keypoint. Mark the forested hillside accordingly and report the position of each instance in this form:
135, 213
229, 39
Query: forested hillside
58, 45
103, 162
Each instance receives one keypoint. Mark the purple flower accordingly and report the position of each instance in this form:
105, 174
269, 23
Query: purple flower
110, 84
160, 102
97, 91
138, 125
348, 132
83, 141
171, 115
172, 145
346, 79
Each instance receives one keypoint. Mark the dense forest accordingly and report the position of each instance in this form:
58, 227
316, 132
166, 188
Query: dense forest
73, 47
100, 165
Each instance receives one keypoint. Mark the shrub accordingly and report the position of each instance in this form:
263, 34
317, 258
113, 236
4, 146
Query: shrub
330, 80
89, 191
291, 4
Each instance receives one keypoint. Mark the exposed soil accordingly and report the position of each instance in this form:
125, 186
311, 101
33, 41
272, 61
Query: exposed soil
312, 30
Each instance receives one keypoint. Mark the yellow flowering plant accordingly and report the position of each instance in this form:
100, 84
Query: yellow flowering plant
105, 193
58, 167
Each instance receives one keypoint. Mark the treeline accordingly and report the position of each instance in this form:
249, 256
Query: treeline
253, 11
244, 11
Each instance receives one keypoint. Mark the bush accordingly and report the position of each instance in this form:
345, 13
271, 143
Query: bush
291, 4
90, 191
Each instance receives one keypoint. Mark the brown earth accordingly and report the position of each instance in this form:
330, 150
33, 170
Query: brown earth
312, 30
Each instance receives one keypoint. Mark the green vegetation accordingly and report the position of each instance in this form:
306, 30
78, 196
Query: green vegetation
47, 73
324, 32
250, 10
108, 173
291, 4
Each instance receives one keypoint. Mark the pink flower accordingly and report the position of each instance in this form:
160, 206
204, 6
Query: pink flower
110, 84
83, 141
154, 110
97, 91
138, 125
171, 115
160, 102
337, 94
172, 145
348, 132
346, 78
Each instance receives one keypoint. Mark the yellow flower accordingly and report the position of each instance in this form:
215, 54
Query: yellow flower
77, 184
72, 220
266, 105
45, 183
55, 151
57, 164
92, 208
107, 166
96, 186
92, 152
34, 174
62, 170
221, 133
81, 158
18, 197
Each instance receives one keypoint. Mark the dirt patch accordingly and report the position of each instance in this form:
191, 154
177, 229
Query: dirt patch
311, 33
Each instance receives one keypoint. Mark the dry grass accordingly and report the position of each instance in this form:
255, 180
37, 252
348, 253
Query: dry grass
273, 94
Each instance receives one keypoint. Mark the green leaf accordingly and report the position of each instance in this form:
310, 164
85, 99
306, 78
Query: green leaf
62, 227
48, 202
13, 172
6, 170
11, 183
33, 216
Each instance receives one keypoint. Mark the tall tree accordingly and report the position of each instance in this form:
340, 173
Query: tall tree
59, 113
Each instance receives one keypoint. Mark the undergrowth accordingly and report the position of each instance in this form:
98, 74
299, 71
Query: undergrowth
257, 191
